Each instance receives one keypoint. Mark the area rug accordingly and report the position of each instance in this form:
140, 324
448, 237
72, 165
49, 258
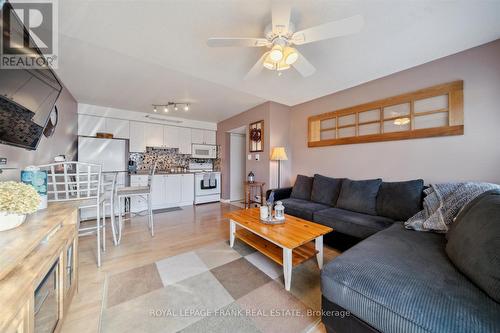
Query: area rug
213, 289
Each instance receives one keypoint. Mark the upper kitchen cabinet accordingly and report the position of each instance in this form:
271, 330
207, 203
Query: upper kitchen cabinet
184, 140
137, 140
153, 135
203, 136
171, 137
118, 127
210, 137
90, 125
177, 137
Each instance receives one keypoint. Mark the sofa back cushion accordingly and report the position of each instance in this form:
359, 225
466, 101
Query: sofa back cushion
302, 188
400, 200
359, 195
325, 190
474, 242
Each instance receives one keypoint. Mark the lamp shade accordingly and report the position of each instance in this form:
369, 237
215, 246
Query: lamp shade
279, 154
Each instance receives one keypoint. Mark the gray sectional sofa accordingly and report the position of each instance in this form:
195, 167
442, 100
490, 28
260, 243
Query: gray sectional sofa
355, 208
398, 280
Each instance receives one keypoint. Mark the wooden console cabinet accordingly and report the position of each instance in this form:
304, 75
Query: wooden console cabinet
46, 242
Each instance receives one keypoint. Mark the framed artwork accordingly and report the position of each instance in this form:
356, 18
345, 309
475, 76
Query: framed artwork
256, 136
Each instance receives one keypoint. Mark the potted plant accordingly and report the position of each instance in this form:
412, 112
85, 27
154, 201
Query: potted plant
16, 201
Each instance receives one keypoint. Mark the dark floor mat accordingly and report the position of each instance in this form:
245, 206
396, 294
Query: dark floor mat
166, 210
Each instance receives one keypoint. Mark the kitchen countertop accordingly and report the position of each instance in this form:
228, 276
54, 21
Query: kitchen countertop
145, 173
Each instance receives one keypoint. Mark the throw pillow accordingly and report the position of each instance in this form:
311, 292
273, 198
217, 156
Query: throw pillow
302, 188
359, 195
474, 242
400, 200
326, 190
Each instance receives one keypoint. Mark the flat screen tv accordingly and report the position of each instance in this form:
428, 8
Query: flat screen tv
27, 96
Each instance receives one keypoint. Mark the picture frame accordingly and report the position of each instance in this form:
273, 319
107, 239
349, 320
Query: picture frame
256, 136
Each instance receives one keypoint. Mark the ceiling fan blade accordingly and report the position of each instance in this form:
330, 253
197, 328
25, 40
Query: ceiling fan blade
338, 28
257, 68
303, 66
280, 17
237, 42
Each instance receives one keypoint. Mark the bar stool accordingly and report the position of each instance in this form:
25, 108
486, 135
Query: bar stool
78, 181
109, 195
140, 191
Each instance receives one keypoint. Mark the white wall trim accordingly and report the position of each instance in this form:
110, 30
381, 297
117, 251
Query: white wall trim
108, 112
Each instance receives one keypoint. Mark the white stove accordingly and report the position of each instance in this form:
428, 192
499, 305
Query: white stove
206, 182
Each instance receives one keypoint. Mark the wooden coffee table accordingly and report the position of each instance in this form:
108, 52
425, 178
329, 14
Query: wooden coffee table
288, 244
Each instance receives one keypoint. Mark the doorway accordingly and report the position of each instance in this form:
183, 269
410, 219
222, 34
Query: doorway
237, 164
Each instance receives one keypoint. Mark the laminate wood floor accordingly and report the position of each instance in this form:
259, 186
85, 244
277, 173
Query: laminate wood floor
175, 232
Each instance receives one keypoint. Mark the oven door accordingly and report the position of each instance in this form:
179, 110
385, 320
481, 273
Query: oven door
204, 151
200, 189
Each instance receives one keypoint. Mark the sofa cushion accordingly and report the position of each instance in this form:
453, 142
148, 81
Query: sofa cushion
351, 223
302, 188
359, 195
326, 190
400, 200
402, 281
302, 208
474, 242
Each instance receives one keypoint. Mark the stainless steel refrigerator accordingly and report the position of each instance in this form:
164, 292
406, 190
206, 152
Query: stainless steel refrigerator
112, 154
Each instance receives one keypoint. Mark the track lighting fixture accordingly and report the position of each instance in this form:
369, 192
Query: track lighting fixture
166, 107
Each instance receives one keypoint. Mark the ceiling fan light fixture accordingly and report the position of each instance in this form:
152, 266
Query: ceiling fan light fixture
276, 53
186, 107
290, 55
282, 65
269, 63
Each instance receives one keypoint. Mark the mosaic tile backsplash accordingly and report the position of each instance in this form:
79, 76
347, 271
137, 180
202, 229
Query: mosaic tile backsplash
167, 158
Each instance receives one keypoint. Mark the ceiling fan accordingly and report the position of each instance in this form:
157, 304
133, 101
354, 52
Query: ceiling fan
281, 37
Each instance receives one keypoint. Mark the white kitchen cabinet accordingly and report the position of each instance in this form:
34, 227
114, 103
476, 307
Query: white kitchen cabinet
177, 137
137, 140
118, 127
171, 137
184, 140
166, 191
153, 135
173, 189
90, 125
197, 135
203, 136
138, 204
158, 192
187, 189
210, 137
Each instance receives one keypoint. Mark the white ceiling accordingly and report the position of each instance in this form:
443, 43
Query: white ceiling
131, 54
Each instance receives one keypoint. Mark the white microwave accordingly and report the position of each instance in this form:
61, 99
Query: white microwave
204, 151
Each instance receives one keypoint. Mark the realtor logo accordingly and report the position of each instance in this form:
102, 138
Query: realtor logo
29, 34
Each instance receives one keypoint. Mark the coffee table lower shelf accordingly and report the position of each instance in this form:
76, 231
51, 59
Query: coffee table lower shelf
274, 252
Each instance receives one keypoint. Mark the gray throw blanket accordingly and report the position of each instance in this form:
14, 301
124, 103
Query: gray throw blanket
442, 204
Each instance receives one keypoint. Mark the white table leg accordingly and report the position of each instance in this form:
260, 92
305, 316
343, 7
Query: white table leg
318, 243
232, 231
287, 267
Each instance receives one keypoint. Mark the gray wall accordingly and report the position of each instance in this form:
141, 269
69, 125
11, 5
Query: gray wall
473, 156
63, 141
